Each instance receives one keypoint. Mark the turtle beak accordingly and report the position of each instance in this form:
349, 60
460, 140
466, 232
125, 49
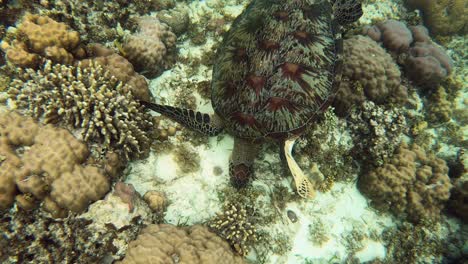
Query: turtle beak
304, 187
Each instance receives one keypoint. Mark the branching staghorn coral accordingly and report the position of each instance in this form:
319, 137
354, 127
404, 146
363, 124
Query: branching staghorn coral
234, 225
88, 98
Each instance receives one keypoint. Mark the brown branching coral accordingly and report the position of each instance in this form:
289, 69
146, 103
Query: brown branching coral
87, 98
234, 224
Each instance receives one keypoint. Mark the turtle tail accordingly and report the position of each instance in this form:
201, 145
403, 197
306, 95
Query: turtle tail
201, 122
347, 11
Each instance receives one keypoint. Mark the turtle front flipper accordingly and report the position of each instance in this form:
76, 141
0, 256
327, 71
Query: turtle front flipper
347, 11
304, 187
201, 122
241, 161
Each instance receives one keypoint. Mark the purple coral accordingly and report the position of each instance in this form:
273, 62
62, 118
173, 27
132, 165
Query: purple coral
427, 64
394, 35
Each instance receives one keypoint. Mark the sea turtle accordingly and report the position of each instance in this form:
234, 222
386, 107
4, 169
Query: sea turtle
276, 69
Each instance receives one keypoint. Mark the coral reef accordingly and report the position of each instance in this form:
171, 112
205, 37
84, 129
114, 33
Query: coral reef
425, 63
394, 35
157, 201
443, 17
152, 49
459, 197
168, 244
368, 73
432, 243
88, 98
412, 184
177, 19
234, 224
39, 38
376, 132
127, 193
439, 108
119, 67
44, 163
100, 21
36, 238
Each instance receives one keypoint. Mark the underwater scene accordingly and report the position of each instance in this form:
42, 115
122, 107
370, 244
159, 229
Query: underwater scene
233, 131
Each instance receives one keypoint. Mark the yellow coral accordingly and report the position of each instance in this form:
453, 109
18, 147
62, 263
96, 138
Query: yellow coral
50, 168
41, 37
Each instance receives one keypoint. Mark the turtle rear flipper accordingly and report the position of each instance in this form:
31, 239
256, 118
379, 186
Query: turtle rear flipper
304, 187
201, 122
347, 11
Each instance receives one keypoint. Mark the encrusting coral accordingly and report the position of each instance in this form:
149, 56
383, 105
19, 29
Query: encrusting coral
152, 49
412, 184
234, 224
369, 72
162, 244
39, 38
45, 163
88, 98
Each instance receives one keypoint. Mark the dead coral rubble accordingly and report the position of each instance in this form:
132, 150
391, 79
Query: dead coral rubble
412, 184
87, 98
44, 163
36, 238
162, 244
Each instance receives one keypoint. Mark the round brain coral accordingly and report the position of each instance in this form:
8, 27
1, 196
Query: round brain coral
152, 49
412, 184
162, 244
369, 72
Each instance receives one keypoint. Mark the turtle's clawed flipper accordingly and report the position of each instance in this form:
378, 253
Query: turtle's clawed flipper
201, 122
347, 11
241, 161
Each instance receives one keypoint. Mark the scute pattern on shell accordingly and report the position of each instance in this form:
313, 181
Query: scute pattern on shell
275, 67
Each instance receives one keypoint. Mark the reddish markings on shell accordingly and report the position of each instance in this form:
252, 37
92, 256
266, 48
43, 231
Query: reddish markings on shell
240, 55
245, 119
230, 89
291, 70
256, 82
268, 45
276, 103
281, 15
304, 37
311, 13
